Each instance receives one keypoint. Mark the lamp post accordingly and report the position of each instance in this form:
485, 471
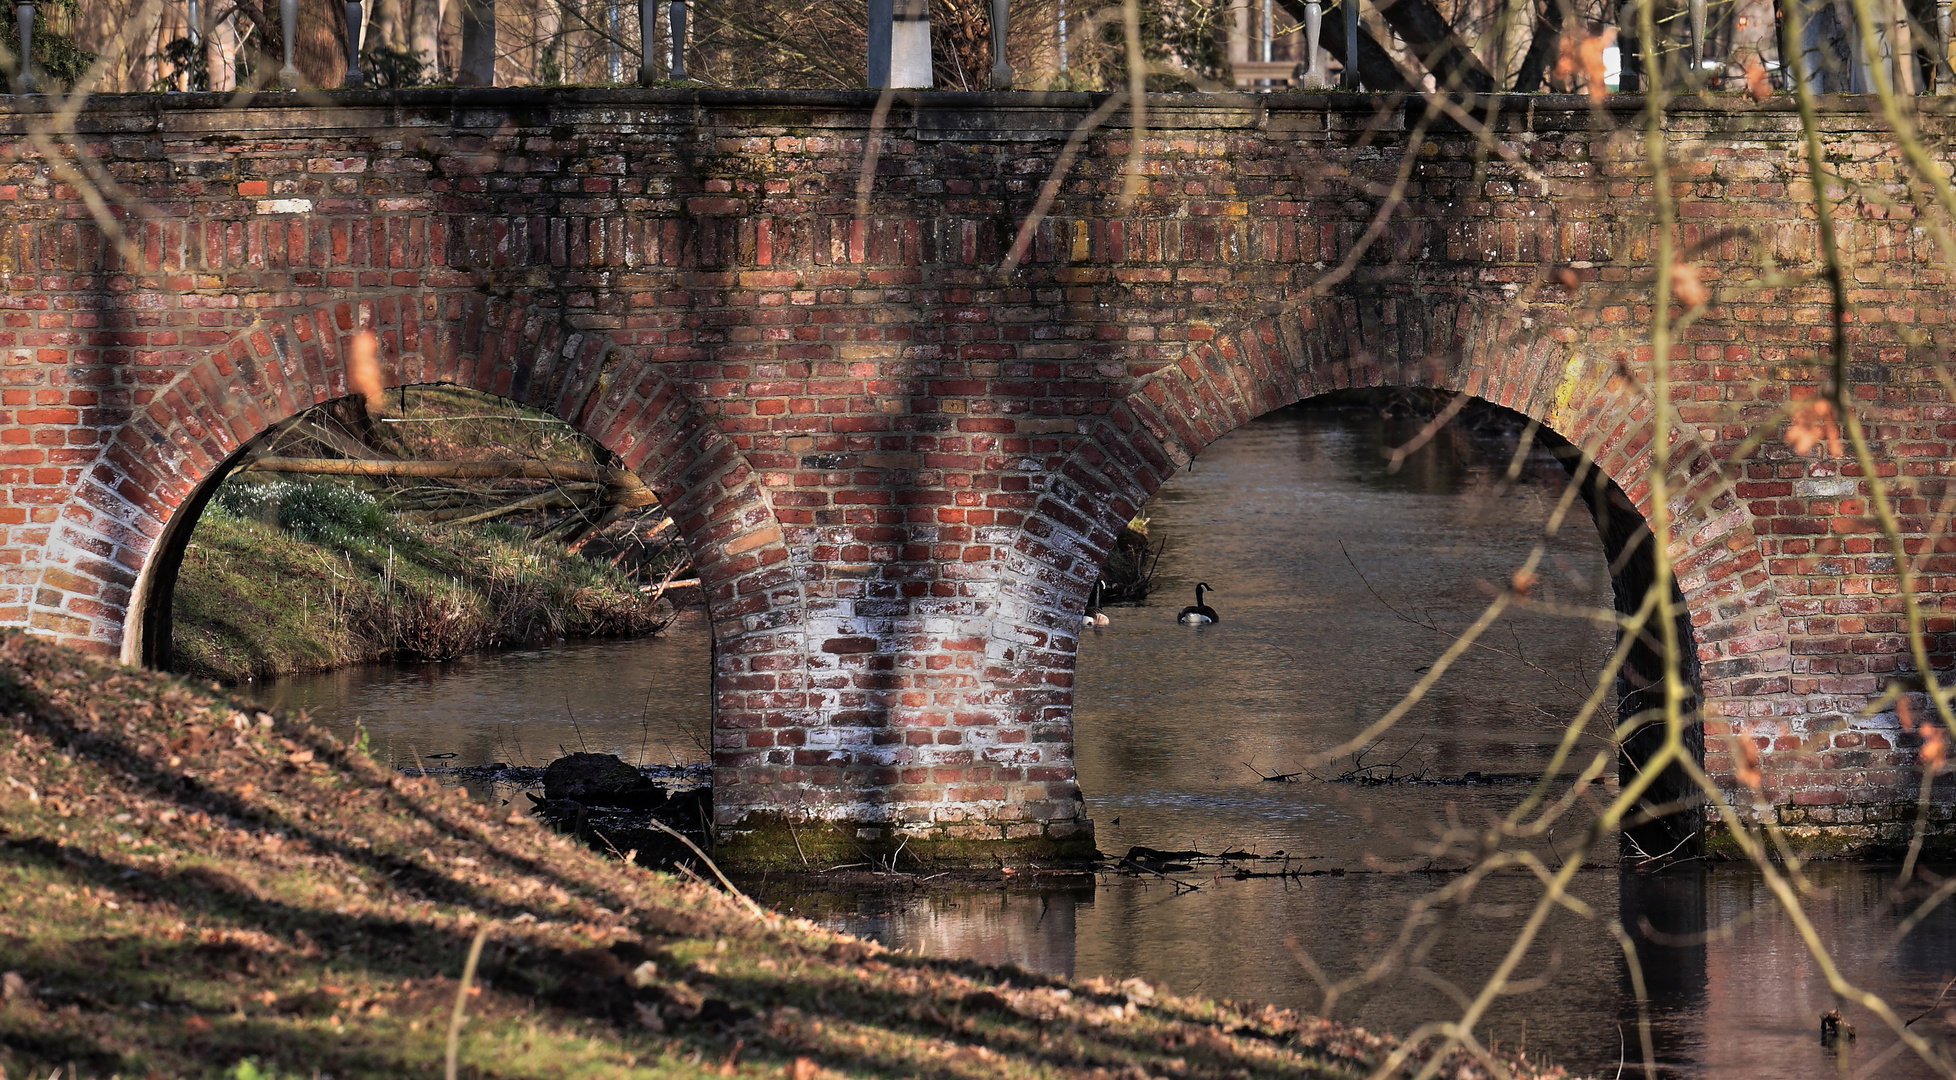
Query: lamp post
24, 17
355, 20
1001, 78
288, 28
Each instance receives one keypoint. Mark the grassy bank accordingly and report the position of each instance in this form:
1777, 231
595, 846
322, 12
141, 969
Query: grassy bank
303, 575
193, 890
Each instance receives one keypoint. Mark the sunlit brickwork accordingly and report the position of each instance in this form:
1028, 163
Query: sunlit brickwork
899, 463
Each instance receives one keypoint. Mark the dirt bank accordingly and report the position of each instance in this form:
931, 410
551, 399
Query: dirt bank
195, 890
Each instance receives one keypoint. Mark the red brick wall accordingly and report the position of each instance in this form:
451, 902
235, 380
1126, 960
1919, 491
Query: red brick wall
897, 469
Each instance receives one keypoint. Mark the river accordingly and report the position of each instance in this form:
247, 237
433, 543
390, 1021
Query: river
1339, 582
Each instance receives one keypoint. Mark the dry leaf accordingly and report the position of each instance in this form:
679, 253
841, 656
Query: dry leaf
1905, 714
1593, 72
1523, 581
1567, 277
1688, 285
363, 370
1745, 762
197, 1025
1567, 62
802, 1069
1811, 422
1935, 746
1757, 83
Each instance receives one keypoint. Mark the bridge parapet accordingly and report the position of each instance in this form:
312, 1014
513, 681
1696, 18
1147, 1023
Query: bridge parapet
900, 463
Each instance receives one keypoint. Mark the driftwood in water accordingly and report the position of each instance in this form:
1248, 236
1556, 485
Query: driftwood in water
1131, 565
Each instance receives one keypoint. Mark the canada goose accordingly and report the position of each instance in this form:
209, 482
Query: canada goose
1199, 613
1095, 616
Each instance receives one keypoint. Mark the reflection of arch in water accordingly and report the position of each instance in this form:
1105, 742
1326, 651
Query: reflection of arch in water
1593, 415
145, 491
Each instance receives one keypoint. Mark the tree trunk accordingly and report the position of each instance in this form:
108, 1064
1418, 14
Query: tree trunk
1543, 49
1454, 66
424, 35
478, 61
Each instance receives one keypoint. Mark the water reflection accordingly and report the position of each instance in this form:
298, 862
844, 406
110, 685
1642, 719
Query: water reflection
1338, 582
647, 700
1742, 1001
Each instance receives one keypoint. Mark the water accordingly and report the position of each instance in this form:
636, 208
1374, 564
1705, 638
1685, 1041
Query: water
1338, 582
646, 700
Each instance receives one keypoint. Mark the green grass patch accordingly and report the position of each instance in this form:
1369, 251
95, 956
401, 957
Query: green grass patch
289, 575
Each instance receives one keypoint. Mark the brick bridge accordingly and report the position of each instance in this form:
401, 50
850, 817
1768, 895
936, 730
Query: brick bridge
897, 469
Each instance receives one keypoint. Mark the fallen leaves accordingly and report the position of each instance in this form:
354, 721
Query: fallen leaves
1745, 762
363, 370
1935, 741
1581, 53
1688, 285
1757, 82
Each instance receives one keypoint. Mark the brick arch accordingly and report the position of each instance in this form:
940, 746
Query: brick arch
101, 561
1453, 343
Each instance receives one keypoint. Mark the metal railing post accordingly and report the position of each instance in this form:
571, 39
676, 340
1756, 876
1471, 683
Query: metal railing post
1313, 31
1698, 19
676, 30
288, 28
1350, 15
1945, 66
355, 23
1001, 78
648, 40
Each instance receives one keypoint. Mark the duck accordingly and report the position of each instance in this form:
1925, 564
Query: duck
1199, 613
1095, 616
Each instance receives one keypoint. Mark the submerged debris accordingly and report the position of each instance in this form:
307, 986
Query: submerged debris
607, 803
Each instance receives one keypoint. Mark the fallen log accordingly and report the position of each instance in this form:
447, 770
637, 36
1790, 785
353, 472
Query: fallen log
626, 488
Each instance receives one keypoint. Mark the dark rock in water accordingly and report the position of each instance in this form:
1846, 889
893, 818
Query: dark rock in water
611, 806
600, 780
